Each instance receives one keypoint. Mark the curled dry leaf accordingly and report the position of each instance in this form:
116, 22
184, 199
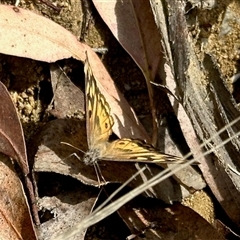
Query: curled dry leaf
16, 222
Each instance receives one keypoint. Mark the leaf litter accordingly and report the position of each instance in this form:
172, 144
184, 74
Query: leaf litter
98, 78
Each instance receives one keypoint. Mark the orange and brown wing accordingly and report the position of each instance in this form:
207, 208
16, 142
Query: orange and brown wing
130, 150
98, 119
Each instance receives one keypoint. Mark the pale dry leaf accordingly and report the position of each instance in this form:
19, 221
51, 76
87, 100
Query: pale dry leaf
67, 208
30, 35
27, 34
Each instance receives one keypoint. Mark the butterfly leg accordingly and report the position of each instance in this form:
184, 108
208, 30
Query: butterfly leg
99, 175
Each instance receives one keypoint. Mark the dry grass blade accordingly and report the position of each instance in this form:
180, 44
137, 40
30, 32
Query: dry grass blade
96, 216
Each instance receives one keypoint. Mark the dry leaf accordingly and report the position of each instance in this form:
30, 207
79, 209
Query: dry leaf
71, 205
154, 220
16, 222
25, 36
12, 141
133, 25
68, 99
11, 133
29, 35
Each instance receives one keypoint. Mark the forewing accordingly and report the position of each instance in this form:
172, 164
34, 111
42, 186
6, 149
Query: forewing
98, 119
136, 151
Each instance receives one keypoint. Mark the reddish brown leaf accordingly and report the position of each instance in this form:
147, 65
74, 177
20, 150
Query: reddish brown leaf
12, 141
15, 216
11, 134
133, 25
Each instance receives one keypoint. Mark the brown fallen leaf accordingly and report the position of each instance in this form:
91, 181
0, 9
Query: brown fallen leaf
133, 25
225, 230
71, 204
68, 99
16, 221
154, 220
11, 133
12, 141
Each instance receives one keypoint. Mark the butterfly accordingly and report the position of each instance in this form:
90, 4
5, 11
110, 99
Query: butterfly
99, 123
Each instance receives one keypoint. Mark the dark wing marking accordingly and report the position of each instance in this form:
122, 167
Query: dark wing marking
136, 151
98, 118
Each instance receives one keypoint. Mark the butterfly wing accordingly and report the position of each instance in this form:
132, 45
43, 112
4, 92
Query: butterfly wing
99, 128
98, 118
136, 151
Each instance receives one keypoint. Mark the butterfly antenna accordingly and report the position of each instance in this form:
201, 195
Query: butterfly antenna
70, 145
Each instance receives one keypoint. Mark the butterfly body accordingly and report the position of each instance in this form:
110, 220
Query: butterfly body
93, 155
99, 124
